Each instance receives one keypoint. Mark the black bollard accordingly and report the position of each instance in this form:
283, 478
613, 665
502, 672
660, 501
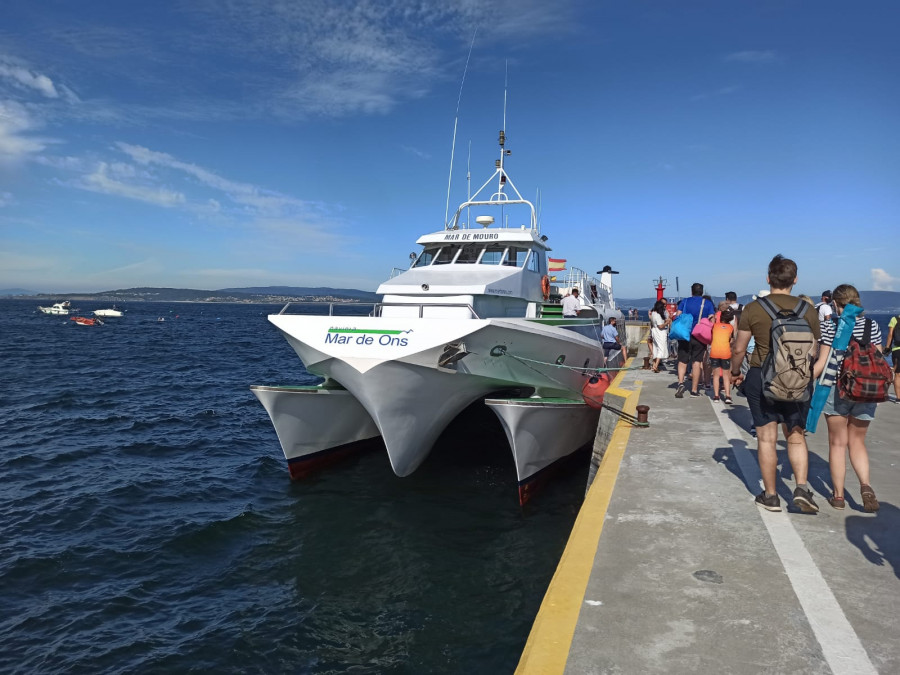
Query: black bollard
642, 411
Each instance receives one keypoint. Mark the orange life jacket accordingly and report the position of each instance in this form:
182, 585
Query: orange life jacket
720, 348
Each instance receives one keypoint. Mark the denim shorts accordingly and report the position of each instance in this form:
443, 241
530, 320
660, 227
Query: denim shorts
765, 412
835, 405
691, 351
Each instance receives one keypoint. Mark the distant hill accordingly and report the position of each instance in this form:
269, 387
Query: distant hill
269, 294
873, 301
880, 301
303, 290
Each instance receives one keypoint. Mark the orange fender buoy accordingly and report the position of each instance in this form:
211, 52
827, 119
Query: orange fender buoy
594, 390
545, 287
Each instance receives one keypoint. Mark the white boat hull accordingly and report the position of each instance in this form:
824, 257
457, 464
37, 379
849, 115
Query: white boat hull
542, 432
108, 313
316, 426
393, 368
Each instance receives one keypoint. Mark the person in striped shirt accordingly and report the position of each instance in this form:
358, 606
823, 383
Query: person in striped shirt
848, 421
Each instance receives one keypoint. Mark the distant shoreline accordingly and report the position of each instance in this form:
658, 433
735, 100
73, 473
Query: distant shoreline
122, 301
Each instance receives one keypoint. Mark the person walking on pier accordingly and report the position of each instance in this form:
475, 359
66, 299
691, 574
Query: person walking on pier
720, 353
756, 323
825, 308
659, 333
892, 347
692, 351
848, 421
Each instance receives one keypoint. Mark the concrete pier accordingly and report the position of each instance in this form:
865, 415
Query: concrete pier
672, 568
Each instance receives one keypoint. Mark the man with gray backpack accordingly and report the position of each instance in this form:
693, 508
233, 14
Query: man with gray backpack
779, 382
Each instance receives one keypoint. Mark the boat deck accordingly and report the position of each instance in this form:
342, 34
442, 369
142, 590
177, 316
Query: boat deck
672, 568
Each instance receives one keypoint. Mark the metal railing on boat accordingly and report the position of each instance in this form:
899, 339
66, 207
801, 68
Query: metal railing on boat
377, 308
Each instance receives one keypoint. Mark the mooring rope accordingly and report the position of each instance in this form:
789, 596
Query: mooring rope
628, 417
500, 350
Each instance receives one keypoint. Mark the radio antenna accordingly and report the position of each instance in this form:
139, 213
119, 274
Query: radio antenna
505, 89
455, 122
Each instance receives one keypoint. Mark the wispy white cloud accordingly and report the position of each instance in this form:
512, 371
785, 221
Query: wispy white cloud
265, 201
101, 181
22, 77
415, 151
17, 125
13, 263
78, 164
882, 280
724, 91
257, 217
766, 56
330, 58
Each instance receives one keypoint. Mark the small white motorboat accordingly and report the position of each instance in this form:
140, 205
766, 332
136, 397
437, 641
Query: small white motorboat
58, 308
109, 312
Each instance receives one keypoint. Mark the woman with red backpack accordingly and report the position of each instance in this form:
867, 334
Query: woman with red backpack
848, 418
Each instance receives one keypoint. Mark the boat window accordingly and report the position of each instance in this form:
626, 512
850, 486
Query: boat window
533, 262
493, 255
426, 256
446, 255
469, 253
516, 257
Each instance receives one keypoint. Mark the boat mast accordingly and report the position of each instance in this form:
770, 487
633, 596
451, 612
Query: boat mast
455, 122
503, 151
468, 187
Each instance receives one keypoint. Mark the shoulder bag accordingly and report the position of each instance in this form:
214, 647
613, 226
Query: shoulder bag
703, 330
682, 326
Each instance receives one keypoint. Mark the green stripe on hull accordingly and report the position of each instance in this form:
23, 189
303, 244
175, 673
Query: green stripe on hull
566, 322
363, 330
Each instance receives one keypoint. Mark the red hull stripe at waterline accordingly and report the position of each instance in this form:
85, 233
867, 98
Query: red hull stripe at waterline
302, 467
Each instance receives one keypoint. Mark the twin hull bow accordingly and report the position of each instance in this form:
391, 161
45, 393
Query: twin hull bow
413, 376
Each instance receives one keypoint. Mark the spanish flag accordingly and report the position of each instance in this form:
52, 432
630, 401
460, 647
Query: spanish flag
557, 264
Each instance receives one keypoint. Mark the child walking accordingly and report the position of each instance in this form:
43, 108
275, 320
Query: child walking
720, 353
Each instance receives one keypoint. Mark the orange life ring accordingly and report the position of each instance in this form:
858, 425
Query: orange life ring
545, 286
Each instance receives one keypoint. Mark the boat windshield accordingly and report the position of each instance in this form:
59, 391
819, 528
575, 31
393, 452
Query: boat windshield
446, 254
516, 257
493, 255
469, 253
426, 256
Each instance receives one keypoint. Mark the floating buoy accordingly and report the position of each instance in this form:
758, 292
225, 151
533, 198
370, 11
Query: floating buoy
594, 390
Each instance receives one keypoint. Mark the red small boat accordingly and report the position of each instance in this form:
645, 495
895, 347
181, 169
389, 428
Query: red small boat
85, 321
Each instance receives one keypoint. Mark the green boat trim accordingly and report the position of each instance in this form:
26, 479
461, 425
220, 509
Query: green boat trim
566, 322
374, 331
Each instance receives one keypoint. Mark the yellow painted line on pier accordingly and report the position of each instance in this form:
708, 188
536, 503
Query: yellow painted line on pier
547, 648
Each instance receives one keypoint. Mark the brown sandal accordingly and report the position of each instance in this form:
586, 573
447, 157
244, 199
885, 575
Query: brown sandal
870, 504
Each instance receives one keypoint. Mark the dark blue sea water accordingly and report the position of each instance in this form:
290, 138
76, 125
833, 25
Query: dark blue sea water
148, 524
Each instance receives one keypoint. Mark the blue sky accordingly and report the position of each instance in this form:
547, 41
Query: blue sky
242, 143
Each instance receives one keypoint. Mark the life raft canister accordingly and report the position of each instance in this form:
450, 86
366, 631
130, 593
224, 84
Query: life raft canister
594, 390
545, 287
